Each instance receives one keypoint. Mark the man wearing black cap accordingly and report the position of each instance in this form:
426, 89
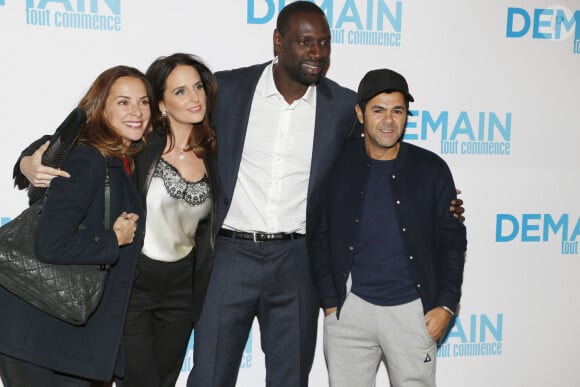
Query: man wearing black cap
390, 265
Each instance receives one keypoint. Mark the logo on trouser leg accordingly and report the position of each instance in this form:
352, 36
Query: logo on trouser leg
427, 359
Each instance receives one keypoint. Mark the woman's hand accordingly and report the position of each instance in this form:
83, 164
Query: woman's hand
125, 227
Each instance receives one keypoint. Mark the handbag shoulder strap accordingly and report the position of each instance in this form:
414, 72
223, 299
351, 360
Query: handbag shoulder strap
107, 215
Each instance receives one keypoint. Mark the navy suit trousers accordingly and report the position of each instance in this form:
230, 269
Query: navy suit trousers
268, 280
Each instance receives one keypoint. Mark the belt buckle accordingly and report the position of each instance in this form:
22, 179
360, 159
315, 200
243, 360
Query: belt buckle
254, 234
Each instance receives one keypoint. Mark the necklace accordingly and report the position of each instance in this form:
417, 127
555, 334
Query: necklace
181, 156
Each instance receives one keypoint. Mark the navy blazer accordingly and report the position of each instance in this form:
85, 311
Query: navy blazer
434, 240
335, 118
145, 162
93, 351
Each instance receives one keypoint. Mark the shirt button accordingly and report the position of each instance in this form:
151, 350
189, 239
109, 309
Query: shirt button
398, 202
350, 248
418, 285
394, 177
404, 229
356, 220
411, 257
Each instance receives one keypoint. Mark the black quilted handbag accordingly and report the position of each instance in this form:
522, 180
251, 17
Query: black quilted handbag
68, 292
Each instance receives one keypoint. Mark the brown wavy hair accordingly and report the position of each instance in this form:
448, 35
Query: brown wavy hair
202, 139
97, 131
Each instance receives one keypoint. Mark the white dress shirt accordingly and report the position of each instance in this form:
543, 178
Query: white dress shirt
272, 185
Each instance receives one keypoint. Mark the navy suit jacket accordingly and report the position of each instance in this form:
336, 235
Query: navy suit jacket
92, 351
335, 119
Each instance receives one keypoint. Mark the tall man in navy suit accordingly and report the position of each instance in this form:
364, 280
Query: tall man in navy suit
280, 126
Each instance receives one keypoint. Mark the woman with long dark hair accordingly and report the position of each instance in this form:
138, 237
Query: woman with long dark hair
176, 174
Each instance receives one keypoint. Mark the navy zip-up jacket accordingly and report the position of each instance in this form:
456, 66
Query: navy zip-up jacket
434, 240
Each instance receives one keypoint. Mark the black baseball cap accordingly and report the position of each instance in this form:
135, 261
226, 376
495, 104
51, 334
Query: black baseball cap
377, 81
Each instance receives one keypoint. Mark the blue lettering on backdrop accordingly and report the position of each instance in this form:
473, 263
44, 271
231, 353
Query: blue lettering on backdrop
246, 361
394, 20
349, 14
188, 360
538, 228
544, 23
79, 14
376, 23
270, 10
42, 4
479, 335
4, 220
113, 5
482, 133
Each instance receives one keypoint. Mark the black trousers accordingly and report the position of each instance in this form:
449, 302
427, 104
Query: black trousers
158, 323
19, 373
268, 280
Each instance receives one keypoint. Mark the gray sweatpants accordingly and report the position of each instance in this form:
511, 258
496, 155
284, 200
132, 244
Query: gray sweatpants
365, 333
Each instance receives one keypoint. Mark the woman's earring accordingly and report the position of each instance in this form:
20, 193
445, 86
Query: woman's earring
164, 113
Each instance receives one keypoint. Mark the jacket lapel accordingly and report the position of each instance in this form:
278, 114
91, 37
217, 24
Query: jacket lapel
325, 146
232, 117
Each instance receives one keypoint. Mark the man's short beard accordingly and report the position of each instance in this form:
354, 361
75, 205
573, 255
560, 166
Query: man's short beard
300, 76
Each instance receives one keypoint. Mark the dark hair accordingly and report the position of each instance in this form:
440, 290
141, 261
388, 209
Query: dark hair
292, 9
97, 131
202, 140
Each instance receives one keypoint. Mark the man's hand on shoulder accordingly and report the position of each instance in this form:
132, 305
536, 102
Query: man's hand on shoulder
37, 174
456, 207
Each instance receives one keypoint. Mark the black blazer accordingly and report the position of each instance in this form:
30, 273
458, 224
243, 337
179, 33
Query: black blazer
335, 119
145, 162
93, 351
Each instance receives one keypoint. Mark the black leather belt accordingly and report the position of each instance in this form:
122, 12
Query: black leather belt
258, 236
